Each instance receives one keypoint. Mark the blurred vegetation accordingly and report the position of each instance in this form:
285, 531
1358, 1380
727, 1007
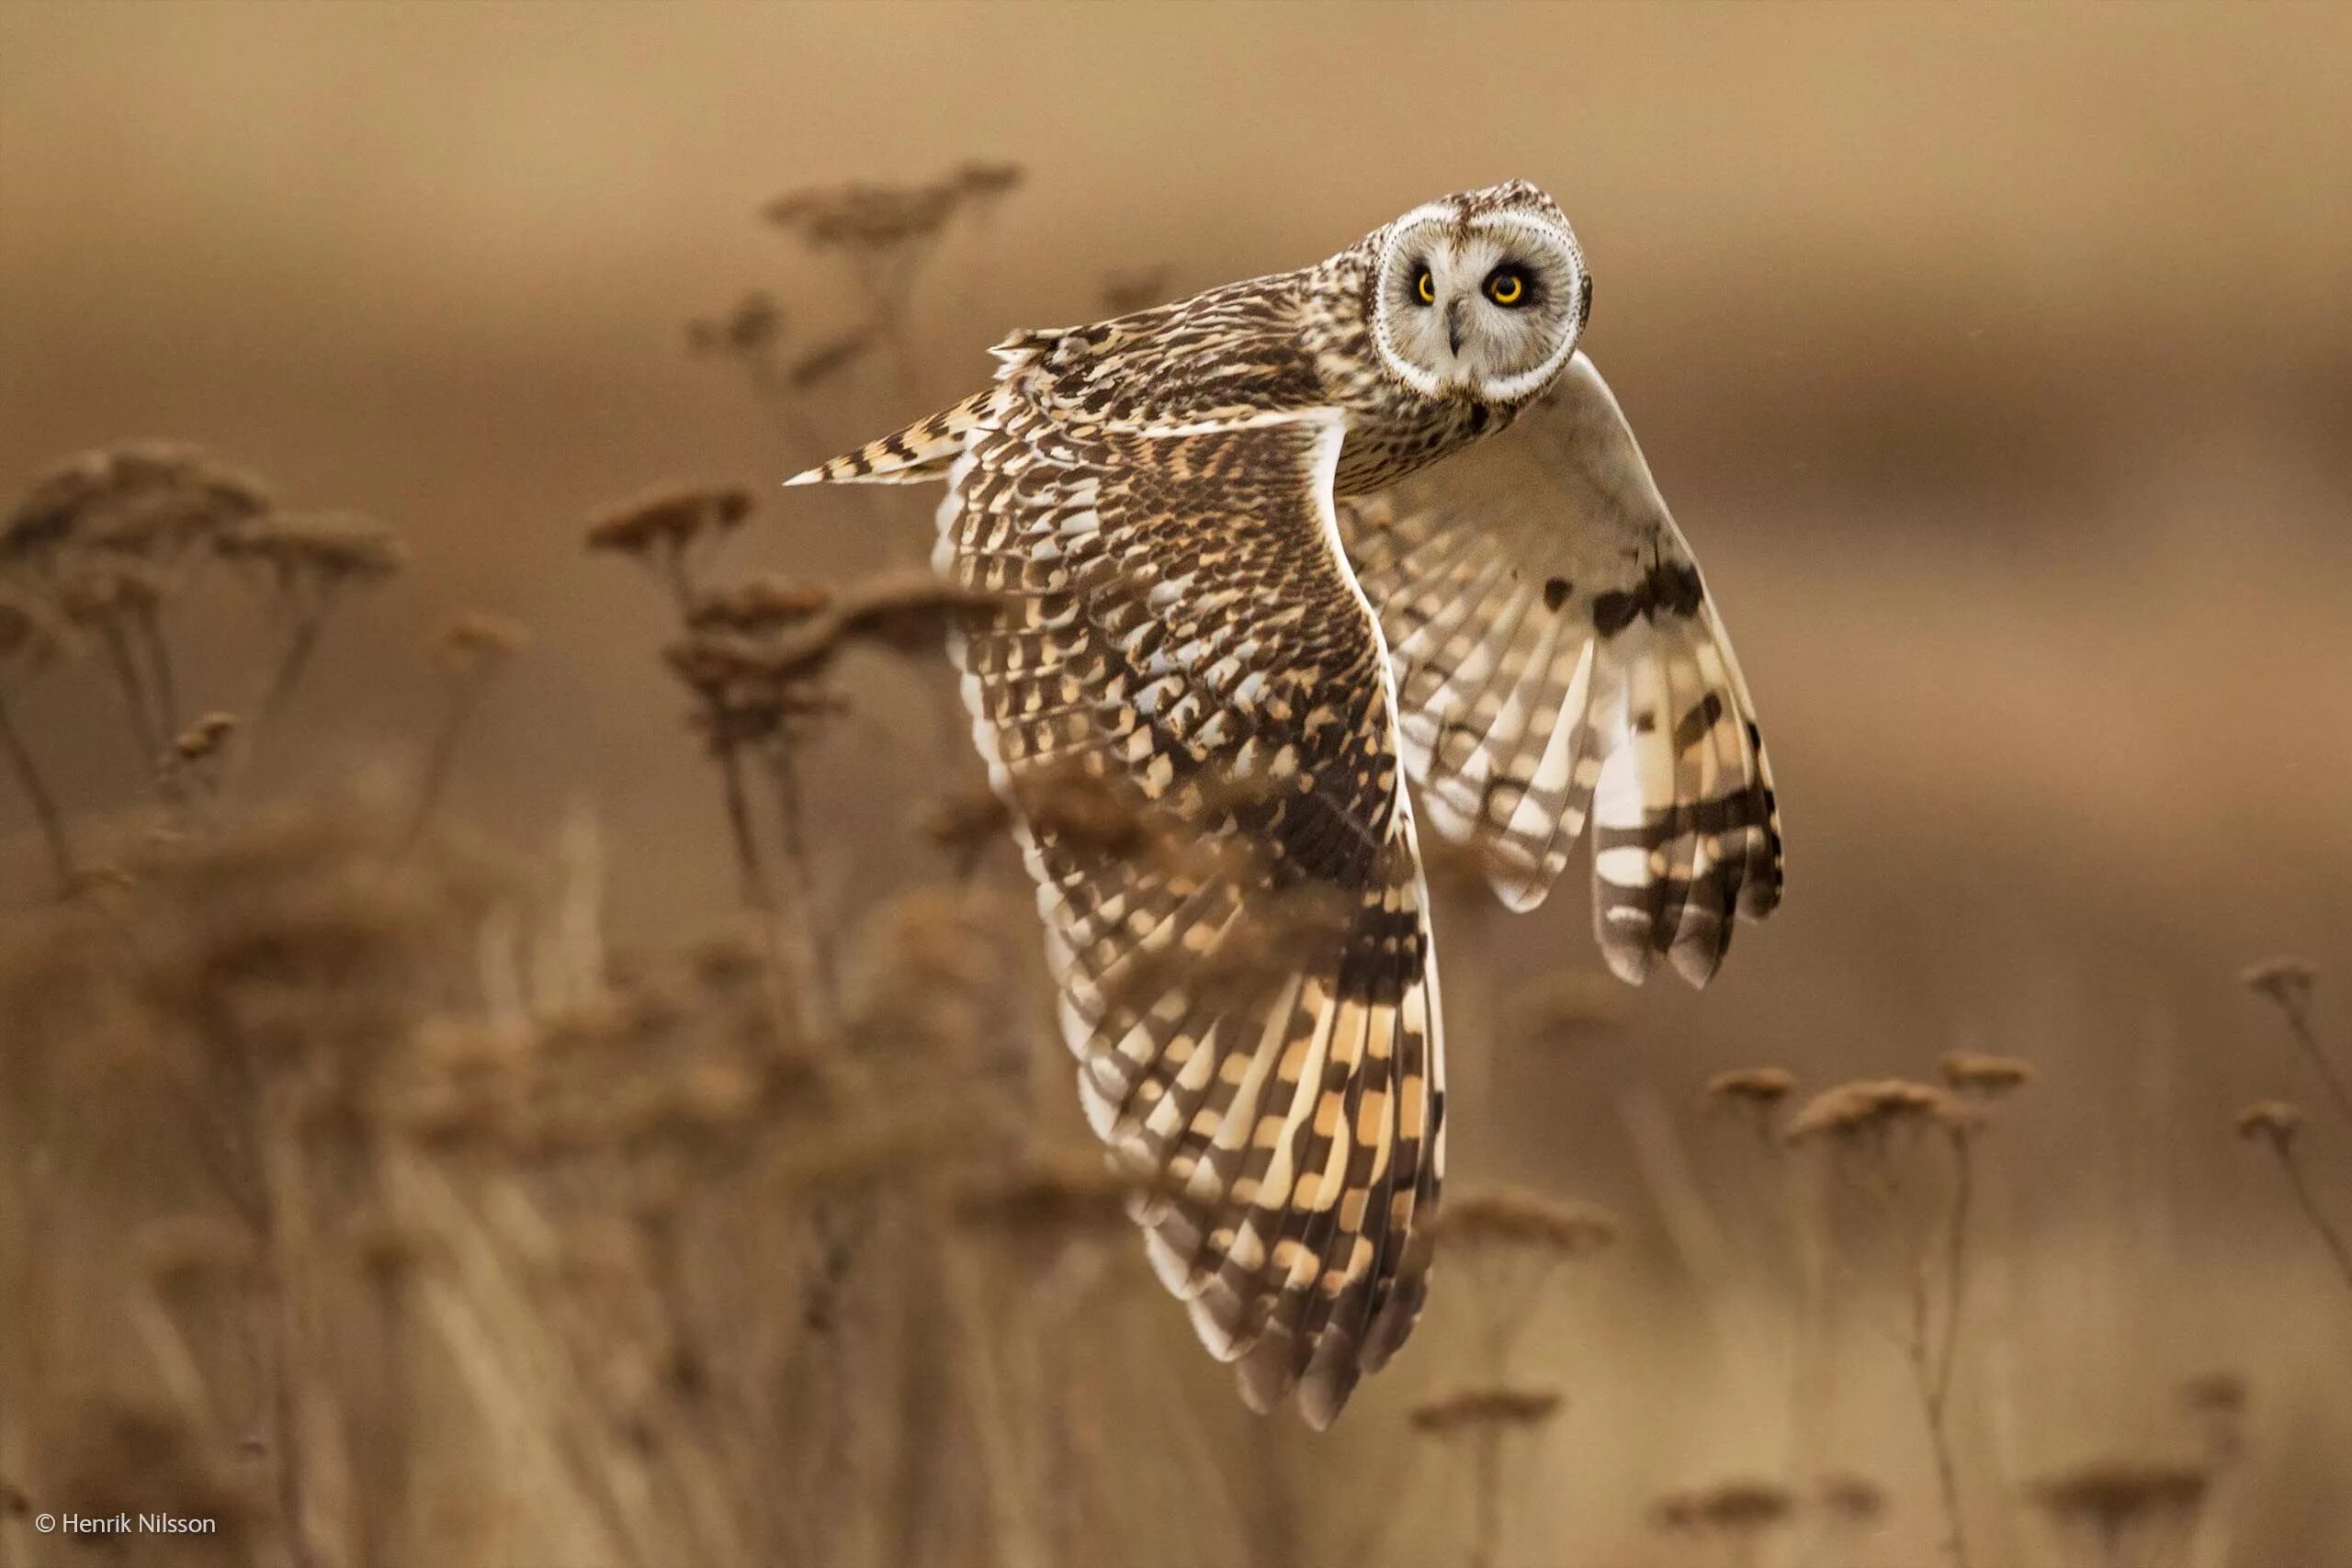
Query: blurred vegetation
358, 1193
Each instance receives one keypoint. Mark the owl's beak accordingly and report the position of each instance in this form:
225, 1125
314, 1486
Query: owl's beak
1453, 326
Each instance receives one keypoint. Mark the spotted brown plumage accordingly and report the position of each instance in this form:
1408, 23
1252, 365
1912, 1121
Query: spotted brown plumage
1185, 641
1239, 597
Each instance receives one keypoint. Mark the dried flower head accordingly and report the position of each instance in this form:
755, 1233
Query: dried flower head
1471, 1409
760, 604
2109, 1496
713, 665
1759, 1089
987, 177
1852, 1499
1675, 1513
755, 324
1984, 1076
1509, 1217
478, 643
2216, 1402
1742, 1505
205, 736
2215, 1393
2274, 1120
750, 688
865, 218
1866, 1111
315, 552
140, 497
665, 522
2284, 980
908, 612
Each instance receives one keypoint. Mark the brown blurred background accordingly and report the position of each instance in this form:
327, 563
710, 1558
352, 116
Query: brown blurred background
1998, 362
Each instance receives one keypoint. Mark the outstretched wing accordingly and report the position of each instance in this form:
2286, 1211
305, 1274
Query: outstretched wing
1557, 656
1185, 698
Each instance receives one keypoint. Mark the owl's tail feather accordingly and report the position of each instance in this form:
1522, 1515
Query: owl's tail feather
919, 454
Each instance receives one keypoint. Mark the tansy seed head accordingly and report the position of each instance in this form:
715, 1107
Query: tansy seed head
2215, 1393
752, 325
1499, 1217
1760, 1089
1985, 1076
986, 178
315, 549
2284, 980
1854, 1499
477, 643
760, 604
667, 521
203, 737
2274, 1120
864, 218
2110, 1495
1676, 1513
1742, 1505
1472, 1408
1855, 1112
134, 499
909, 612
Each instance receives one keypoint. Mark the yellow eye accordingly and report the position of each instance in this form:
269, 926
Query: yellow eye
1506, 288
1425, 285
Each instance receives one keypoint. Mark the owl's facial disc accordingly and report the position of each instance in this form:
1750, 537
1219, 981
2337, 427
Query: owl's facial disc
1487, 306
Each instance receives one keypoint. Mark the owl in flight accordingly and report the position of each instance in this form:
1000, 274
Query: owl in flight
1253, 559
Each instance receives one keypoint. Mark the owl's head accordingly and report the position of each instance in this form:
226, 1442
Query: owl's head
1480, 295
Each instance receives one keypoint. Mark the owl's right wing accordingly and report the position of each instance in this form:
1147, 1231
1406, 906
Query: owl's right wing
1183, 696
1557, 656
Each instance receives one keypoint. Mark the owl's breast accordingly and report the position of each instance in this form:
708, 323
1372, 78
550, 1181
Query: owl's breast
1407, 434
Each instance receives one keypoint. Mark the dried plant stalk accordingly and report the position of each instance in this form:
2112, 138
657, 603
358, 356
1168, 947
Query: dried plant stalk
473, 650
51, 821
1484, 1418
1859, 1126
2279, 1124
2288, 984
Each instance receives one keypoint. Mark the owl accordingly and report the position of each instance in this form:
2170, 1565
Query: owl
1249, 562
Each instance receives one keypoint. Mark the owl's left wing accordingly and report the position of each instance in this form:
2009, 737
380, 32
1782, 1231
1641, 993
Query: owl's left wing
1557, 656
1183, 696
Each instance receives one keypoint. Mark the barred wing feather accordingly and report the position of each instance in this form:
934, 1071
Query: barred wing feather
1185, 698
1557, 657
